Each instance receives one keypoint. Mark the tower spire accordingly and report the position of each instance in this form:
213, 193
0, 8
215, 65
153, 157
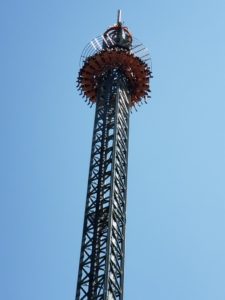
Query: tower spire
114, 75
119, 17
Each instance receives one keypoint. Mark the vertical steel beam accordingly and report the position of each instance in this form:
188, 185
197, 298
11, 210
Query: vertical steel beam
101, 267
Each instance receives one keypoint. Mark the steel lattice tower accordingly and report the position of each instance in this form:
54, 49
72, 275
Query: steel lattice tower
114, 74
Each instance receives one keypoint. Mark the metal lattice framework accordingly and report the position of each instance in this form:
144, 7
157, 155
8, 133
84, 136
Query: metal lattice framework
115, 76
102, 251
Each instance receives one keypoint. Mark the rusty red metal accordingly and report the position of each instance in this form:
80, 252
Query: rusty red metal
136, 71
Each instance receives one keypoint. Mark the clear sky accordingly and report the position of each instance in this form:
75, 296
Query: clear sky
176, 199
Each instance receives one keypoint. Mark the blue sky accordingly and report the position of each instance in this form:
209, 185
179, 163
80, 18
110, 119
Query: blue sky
175, 245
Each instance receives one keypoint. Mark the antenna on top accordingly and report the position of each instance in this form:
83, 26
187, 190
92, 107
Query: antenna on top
119, 16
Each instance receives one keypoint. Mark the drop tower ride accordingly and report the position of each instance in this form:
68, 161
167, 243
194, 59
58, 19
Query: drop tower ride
114, 75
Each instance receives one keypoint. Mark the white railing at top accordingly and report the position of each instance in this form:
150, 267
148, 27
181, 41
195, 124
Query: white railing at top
96, 45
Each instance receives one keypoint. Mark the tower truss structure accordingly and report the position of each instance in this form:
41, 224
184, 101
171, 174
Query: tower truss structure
115, 76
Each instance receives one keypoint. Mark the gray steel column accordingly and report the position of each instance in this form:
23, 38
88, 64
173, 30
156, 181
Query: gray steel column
101, 268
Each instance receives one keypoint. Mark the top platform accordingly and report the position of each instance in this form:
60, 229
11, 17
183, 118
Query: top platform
116, 48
